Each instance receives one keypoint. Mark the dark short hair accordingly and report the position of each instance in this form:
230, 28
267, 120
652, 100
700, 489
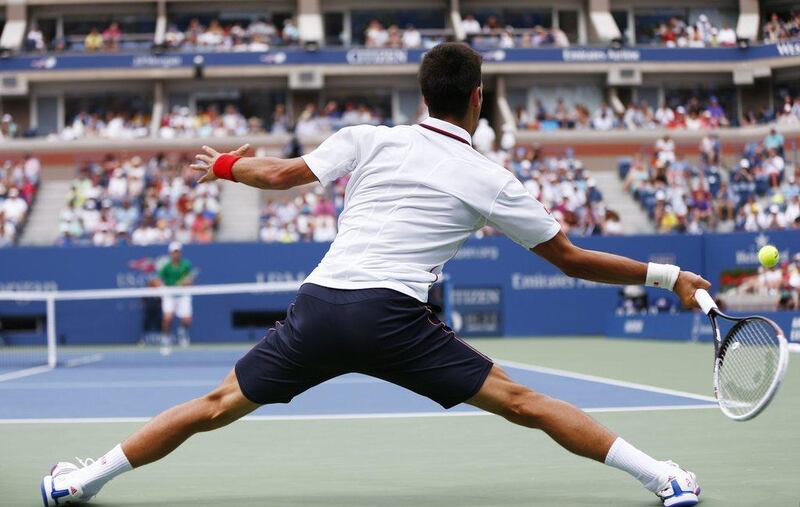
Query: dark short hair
448, 74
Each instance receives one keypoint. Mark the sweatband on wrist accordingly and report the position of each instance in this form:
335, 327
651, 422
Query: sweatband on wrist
662, 276
223, 166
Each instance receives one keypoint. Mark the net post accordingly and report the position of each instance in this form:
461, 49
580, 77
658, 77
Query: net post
51, 331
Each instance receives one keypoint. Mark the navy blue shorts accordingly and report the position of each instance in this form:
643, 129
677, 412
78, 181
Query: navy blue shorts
377, 332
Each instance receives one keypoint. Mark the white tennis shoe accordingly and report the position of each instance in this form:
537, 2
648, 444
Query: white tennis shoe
679, 488
61, 487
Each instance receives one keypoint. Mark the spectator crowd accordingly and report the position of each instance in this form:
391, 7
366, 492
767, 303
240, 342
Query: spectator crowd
779, 29
308, 216
676, 32
696, 114
760, 192
258, 35
139, 201
19, 183
562, 183
377, 35
105, 125
493, 34
331, 117
208, 122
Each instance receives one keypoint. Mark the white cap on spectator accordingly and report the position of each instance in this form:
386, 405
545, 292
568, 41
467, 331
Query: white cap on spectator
744, 163
175, 246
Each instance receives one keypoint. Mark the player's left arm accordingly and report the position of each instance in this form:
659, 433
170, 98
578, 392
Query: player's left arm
610, 268
270, 173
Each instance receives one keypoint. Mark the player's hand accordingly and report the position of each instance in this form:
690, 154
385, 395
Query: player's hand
686, 285
205, 161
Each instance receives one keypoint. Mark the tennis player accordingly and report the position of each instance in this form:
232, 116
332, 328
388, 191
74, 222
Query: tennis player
177, 271
416, 193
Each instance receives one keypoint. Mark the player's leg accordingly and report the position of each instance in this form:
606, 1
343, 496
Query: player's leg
184, 313
568, 425
159, 437
168, 310
422, 354
165, 432
580, 434
294, 356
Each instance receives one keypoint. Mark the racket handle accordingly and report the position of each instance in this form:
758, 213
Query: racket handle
705, 301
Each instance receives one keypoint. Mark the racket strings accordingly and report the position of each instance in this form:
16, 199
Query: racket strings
749, 365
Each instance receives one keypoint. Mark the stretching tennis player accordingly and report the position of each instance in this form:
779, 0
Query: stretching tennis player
416, 193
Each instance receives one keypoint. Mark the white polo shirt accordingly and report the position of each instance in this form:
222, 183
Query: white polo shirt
416, 193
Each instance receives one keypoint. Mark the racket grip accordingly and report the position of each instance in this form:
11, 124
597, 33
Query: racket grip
705, 301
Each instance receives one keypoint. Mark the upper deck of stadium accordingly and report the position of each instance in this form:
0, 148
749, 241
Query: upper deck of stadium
63, 57
283, 38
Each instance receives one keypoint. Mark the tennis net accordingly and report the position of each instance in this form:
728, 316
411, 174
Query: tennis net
123, 327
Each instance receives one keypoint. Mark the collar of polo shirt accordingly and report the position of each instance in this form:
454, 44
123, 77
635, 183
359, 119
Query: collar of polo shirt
447, 129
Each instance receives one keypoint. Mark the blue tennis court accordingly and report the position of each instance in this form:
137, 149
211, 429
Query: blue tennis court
141, 383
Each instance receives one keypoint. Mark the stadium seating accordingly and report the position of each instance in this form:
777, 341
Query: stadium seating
695, 115
782, 28
138, 201
19, 183
760, 192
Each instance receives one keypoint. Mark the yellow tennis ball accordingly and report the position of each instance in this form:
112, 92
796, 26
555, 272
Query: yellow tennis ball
768, 256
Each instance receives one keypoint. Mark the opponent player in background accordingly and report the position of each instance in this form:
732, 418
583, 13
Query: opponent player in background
177, 271
416, 193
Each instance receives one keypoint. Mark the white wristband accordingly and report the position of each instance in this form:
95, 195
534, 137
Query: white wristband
662, 276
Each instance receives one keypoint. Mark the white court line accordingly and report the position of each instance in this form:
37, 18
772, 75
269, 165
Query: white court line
603, 380
339, 417
27, 372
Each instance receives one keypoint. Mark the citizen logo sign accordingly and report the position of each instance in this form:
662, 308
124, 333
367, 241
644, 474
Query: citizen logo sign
789, 48
377, 56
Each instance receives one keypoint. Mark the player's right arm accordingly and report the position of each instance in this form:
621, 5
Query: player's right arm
335, 157
269, 173
610, 268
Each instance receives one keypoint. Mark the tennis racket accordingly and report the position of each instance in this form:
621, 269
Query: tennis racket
749, 362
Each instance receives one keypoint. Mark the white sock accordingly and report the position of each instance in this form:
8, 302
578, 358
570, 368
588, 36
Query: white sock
96, 475
625, 457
